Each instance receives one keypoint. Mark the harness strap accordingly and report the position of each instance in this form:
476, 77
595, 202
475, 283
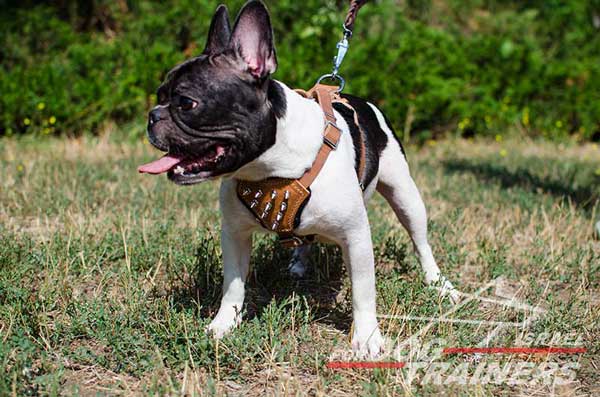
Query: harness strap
331, 136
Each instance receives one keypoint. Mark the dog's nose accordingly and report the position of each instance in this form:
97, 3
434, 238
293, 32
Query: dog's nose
155, 116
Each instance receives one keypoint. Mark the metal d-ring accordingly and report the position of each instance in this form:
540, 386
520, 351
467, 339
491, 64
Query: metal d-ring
332, 76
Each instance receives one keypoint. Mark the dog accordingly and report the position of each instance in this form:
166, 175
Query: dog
221, 115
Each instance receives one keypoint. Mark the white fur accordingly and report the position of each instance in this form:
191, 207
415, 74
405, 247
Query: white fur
336, 212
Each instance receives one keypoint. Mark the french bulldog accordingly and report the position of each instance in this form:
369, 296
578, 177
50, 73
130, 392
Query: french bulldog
221, 115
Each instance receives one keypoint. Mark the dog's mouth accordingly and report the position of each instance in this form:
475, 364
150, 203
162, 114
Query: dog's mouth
189, 169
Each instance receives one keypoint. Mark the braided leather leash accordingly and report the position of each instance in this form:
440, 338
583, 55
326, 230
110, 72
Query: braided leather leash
355, 6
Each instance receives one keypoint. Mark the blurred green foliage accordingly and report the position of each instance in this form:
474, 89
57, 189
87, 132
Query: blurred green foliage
434, 66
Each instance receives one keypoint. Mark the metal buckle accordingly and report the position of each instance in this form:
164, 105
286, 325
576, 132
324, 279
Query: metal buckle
329, 143
334, 125
293, 241
332, 76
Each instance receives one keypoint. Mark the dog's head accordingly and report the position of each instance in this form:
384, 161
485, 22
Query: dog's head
218, 111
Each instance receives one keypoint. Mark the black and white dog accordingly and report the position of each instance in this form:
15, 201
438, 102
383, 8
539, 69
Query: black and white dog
221, 115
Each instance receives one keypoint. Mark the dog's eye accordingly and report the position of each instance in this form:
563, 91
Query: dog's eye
186, 103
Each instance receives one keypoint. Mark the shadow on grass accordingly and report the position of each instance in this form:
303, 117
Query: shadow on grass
584, 195
322, 287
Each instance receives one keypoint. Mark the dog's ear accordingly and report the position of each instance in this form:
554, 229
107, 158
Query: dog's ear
252, 40
219, 33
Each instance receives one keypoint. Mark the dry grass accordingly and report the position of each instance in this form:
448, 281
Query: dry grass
107, 278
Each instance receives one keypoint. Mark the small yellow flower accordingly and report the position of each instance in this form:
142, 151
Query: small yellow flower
525, 117
488, 119
52, 120
498, 138
20, 168
559, 124
41, 106
431, 142
46, 131
26, 121
503, 153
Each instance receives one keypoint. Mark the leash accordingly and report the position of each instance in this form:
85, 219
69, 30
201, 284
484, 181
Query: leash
344, 44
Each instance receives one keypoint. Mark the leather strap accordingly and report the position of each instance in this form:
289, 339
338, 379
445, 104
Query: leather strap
355, 6
331, 137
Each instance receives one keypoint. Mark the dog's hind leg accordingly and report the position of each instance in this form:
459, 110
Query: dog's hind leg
300, 261
400, 191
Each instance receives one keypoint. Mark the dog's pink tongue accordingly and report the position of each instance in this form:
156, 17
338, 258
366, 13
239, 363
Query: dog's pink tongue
159, 166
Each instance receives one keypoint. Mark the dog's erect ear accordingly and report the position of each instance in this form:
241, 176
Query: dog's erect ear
219, 33
252, 40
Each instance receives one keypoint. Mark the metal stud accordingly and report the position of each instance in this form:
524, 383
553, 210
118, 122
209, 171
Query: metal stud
264, 215
279, 217
246, 191
283, 207
275, 226
258, 194
253, 204
268, 207
273, 195
286, 195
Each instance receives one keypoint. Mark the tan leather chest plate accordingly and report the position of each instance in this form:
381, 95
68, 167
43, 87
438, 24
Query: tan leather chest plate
275, 202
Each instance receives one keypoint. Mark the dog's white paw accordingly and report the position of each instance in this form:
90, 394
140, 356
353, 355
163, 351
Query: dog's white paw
446, 289
217, 329
221, 326
368, 345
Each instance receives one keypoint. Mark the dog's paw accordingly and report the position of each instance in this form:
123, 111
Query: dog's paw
219, 327
368, 345
446, 289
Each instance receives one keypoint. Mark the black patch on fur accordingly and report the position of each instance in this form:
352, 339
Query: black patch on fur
389, 125
375, 138
277, 99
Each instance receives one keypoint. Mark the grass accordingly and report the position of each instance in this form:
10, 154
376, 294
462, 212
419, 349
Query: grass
108, 278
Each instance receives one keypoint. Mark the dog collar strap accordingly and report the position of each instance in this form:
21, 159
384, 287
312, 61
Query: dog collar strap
277, 203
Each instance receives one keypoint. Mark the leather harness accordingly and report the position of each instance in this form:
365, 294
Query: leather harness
277, 203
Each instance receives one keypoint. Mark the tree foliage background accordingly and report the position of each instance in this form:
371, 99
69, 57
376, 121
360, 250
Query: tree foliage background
471, 67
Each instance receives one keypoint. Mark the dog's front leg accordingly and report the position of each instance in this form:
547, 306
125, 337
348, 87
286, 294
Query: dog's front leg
236, 247
357, 249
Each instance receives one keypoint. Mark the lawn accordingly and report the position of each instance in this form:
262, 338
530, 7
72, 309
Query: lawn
108, 278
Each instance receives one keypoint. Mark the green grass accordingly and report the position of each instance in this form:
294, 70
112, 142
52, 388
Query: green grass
108, 278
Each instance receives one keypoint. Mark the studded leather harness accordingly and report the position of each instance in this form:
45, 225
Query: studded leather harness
277, 203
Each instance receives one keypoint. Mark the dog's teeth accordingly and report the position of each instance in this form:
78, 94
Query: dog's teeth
179, 170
